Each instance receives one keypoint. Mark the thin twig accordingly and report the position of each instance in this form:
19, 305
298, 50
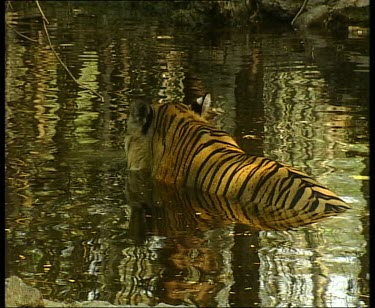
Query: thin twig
20, 34
9, 5
300, 11
58, 57
41, 12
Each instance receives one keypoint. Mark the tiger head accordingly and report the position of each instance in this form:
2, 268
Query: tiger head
141, 123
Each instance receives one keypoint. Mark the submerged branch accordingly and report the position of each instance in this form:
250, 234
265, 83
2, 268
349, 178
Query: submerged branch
45, 22
9, 5
20, 34
41, 12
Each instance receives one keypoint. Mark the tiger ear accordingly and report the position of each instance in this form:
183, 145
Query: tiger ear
204, 104
141, 114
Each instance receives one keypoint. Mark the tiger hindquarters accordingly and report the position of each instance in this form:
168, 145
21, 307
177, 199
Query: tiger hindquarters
279, 187
222, 169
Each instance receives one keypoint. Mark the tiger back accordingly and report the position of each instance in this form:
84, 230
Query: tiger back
179, 147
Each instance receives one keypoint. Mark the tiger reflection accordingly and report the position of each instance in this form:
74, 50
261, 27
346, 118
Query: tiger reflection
192, 272
182, 209
188, 268
193, 255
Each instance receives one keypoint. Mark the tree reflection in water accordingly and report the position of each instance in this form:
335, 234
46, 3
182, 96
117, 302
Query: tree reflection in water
74, 233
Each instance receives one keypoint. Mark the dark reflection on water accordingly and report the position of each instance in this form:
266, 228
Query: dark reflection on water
79, 228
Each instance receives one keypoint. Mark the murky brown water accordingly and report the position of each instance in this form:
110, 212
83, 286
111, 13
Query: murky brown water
79, 227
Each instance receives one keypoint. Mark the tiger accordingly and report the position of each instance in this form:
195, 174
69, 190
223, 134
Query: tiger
178, 146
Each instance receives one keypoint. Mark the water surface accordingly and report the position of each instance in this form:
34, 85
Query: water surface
80, 227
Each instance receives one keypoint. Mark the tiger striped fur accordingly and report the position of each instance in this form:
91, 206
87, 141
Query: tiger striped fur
180, 147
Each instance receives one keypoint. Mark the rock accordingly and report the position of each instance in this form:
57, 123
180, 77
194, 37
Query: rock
282, 9
94, 304
48, 303
341, 4
345, 12
19, 294
313, 17
352, 11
